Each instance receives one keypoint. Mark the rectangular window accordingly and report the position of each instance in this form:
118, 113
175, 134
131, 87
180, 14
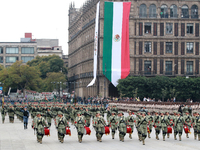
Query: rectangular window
1, 59
155, 66
1, 50
182, 48
147, 47
169, 28
161, 29
140, 48
147, 27
197, 48
140, 65
161, 48
11, 59
147, 67
161, 66
190, 46
189, 67
176, 29
197, 66
176, 48
25, 59
154, 29
168, 68
189, 28
168, 47
155, 48
27, 50
176, 66
182, 66
12, 50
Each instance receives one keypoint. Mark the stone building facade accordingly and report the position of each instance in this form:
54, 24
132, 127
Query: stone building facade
164, 40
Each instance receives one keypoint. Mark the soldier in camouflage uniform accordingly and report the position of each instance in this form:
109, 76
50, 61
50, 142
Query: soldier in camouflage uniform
99, 124
164, 124
87, 117
121, 126
179, 124
113, 121
157, 124
138, 120
197, 125
143, 125
150, 123
61, 124
79, 124
174, 118
130, 121
193, 122
11, 113
49, 116
108, 111
169, 118
3, 113
188, 121
39, 126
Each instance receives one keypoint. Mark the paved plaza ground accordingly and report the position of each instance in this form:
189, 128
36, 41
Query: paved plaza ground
14, 137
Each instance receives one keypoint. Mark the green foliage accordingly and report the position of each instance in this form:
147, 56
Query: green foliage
160, 87
46, 64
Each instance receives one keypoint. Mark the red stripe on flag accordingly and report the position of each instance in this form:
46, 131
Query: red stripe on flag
125, 56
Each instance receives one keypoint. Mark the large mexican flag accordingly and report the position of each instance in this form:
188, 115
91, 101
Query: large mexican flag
116, 57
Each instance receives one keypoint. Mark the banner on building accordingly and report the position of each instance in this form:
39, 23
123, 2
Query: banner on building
95, 46
116, 57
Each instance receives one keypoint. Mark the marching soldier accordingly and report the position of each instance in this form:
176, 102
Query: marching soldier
39, 126
197, 125
79, 124
61, 124
3, 113
194, 127
11, 113
138, 120
150, 123
179, 124
157, 124
164, 124
130, 121
113, 121
121, 126
99, 126
188, 121
174, 118
87, 117
143, 126
108, 111
49, 117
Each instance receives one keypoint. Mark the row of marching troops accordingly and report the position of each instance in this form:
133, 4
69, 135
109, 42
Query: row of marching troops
80, 116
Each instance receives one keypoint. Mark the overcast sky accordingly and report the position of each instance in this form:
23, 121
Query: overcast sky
43, 18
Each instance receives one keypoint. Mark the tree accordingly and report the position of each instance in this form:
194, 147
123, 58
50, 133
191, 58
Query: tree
23, 76
46, 64
53, 79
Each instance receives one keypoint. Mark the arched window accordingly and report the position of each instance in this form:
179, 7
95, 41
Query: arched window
164, 12
143, 11
185, 12
152, 11
173, 11
194, 11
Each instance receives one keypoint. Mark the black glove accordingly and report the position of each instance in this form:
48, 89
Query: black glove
108, 125
57, 128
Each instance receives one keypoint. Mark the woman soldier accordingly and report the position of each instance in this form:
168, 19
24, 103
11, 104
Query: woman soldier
79, 124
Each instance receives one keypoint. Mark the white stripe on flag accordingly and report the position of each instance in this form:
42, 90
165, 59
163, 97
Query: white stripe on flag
116, 45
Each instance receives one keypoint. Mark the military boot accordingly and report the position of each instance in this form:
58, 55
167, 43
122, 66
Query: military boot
199, 137
175, 137
179, 138
195, 136
97, 138
122, 139
187, 135
149, 135
130, 136
143, 142
100, 140
61, 140
113, 136
167, 135
163, 138
40, 141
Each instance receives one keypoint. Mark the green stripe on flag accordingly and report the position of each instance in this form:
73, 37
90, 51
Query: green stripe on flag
107, 40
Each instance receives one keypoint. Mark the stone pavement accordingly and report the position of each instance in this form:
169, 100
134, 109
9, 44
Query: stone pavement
14, 137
